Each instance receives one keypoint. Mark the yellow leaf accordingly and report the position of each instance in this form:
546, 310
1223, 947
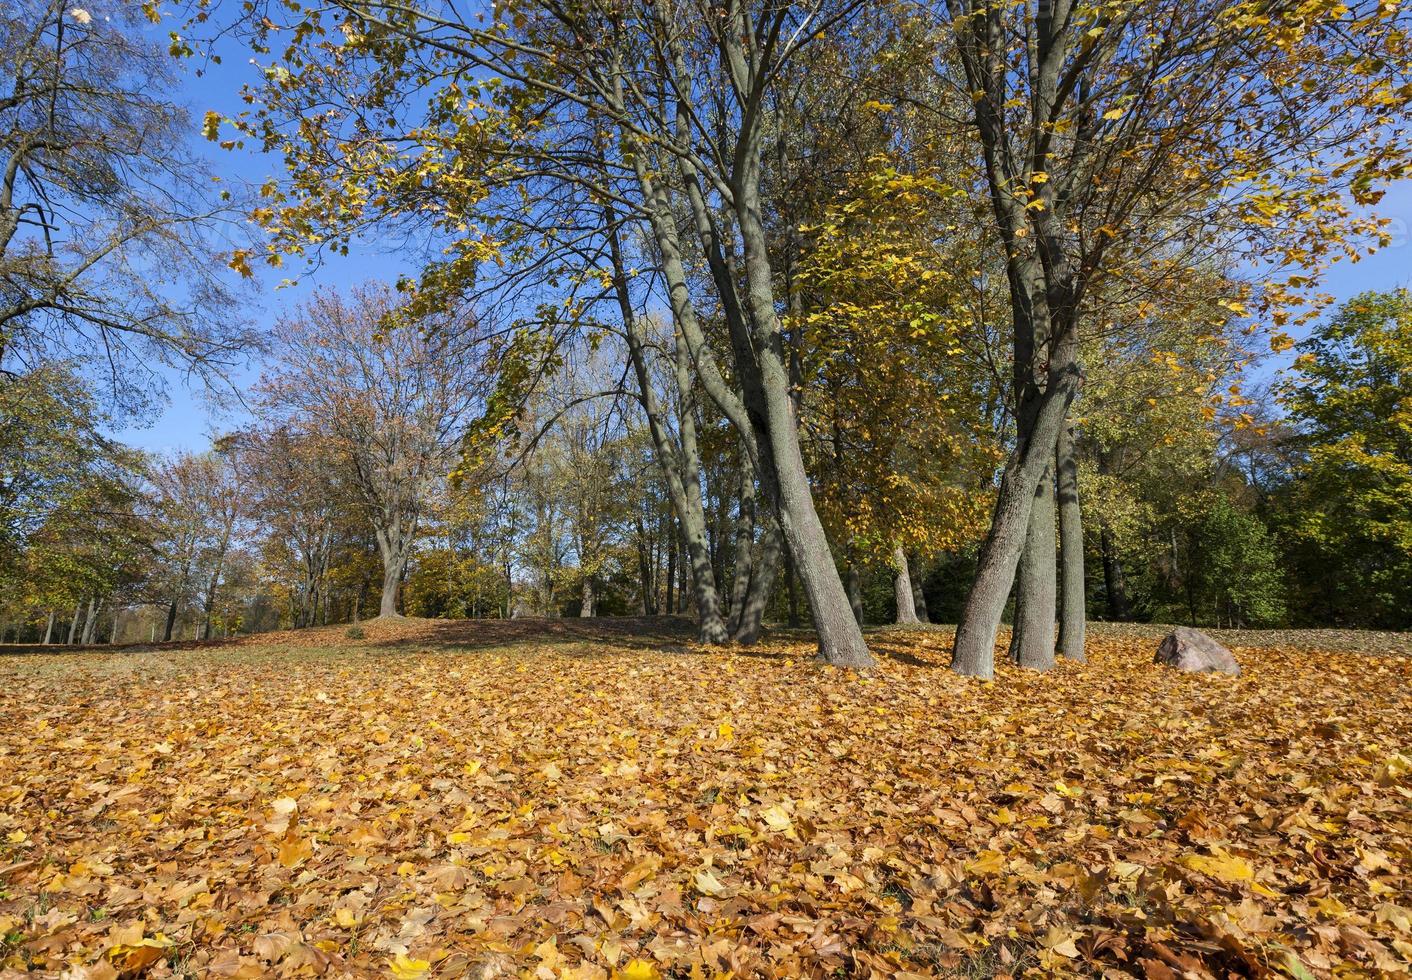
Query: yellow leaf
776, 817
725, 730
987, 863
1061, 941
1221, 866
708, 884
295, 851
637, 969
403, 967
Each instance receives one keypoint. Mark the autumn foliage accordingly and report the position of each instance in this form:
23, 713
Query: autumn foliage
566, 800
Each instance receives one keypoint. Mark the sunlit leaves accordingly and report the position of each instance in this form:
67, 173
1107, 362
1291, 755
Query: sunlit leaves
587, 808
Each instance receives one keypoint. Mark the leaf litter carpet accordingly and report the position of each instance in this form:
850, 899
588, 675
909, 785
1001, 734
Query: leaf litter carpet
608, 800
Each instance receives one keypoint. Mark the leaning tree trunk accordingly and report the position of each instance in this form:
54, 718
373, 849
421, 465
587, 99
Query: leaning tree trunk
768, 416
902, 588
974, 651
1032, 640
49, 628
762, 583
679, 460
838, 626
1074, 604
73, 625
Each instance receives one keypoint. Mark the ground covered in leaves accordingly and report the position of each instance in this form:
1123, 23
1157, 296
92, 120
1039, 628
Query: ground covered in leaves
569, 800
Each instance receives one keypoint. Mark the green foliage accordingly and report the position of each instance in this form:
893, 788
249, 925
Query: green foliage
1349, 509
1234, 578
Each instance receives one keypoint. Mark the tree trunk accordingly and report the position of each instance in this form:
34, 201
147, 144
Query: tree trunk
792, 586
853, 587
836, 618
1032, 639
1115, 586
73, 624
919, 599
395, 545
1074, 602
679, 460
744, 543
1032, 457
770, 421
762, 583
669, 606
90, 622
171, 621
902, 588
647, 587
683, 573
586, 609
391, 578
49, 628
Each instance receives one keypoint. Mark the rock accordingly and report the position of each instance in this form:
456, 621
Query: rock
1193, 651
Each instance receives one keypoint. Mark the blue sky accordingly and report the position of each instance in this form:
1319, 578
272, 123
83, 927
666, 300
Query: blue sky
188, 420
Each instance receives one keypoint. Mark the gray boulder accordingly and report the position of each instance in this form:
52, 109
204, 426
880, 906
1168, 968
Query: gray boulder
1193, 651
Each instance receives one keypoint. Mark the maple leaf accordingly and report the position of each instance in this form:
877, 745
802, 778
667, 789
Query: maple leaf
1221, 866
638, 969
403, 967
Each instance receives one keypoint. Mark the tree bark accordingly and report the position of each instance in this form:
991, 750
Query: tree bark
679, 459
744, 543
1115, 586
769, 420
1032, 639
853, 586
90, 622
395, 546
792, 585
1074, 601
1033, 455
836, 621
49, 628
919, 599
171, 621
762, 583
586, 608
902, 588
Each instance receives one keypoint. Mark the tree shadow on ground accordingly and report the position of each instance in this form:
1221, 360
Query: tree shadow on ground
670, 634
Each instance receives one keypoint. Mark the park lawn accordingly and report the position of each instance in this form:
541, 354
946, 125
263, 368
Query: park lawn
607, 799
